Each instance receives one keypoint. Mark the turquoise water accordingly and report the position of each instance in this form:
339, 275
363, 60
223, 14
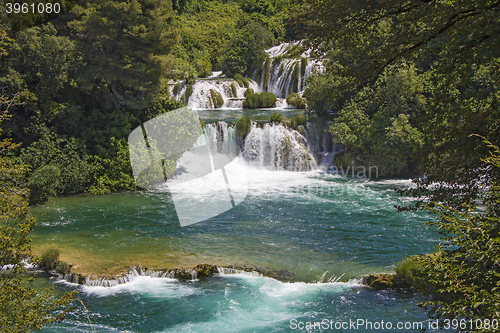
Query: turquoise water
318, 232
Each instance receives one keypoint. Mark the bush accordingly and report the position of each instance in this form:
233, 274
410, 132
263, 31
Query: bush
234, 90
216, 98
249, 91
49, 257
413, 272
262, 100
294, 51
245, 82
267, 68
243, 126
176, 89
297, 121
277, 118
188, 93
62, 267
41, 183
296, 100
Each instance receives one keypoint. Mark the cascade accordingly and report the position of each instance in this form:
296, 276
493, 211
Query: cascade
277, 147
201, 96
321, 144
283, 73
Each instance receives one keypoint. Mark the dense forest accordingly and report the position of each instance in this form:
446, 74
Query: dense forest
84, 80
412, 87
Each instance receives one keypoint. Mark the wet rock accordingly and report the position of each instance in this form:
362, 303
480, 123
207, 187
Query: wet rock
380, 281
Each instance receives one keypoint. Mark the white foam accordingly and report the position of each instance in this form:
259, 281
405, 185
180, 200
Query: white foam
154, 286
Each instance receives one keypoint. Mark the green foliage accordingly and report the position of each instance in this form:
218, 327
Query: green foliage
49, 257
234, 90
113, 173
276, 118
297, 121
176, 89
125, 47
466, 270
267, 67
187, 93
77, 170
415, 271
62, 267
245, 83
327, 92
249, 91
22, 308
242, 82
449, 43
41, 183
216, 98
294, 51
261, 100
243, 126
204, 65
296, 101
378, 125
245, 48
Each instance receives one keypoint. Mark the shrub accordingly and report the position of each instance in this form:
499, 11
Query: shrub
187, 93
412, 271
239, 79
267, 68
249, 91
234, 90
303, 65
295, 78
262, 100
49, 257
216, 98
297, 121
295, 51
62, 267
177, 88
277, 118
296, 101
245, 82
41, 183
243, 126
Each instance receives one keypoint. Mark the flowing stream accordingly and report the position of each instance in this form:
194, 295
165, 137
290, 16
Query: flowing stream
314, 231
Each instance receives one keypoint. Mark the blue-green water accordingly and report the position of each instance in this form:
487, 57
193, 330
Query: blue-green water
319, 231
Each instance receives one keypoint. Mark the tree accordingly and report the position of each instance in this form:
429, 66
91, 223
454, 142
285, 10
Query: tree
21, 308
465, 272
125, 46
378, 33
379, 123
454, 44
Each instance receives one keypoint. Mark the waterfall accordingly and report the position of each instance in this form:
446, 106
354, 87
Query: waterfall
277, 147
274, 146
284, 73
231, 92
321, 144
268, 146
